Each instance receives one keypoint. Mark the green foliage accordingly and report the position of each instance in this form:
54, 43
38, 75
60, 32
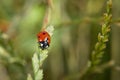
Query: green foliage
100, 46
29, 77
37, 61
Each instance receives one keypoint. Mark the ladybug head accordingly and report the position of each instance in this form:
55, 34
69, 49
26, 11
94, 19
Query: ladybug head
44, 44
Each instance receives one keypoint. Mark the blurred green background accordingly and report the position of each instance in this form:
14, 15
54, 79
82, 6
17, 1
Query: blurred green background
76, 22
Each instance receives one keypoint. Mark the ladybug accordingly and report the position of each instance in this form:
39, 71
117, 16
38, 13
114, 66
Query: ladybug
43, 39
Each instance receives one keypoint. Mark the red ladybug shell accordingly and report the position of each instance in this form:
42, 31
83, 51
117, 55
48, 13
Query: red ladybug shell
43, 39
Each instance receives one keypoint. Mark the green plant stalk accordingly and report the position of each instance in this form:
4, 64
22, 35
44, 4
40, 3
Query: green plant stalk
103, 36
37, 61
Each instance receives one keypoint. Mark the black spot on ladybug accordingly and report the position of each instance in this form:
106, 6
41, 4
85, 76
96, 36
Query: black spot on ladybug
44, 33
